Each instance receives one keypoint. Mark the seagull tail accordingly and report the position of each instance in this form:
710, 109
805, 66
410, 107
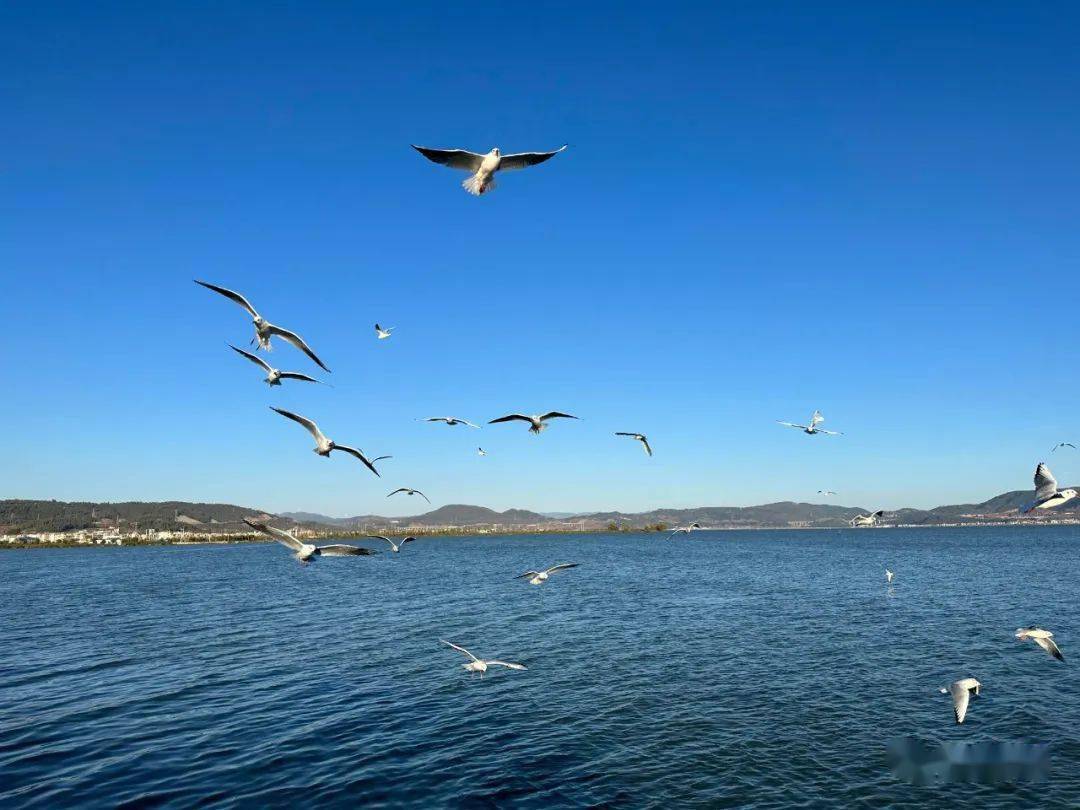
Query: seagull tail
477, 186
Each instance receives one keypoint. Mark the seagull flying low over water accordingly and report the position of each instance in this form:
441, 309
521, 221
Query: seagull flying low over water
305, 551
962, 692
450, 420
408, 491
1047, 495
478, 665
394, 547
812, 428
1044, 638
536, 423
273, 376
1062, 444
264, 330
684, 530
540, 577
641, 438
383, 334
889, 575
324, 446
482, 168
867, 520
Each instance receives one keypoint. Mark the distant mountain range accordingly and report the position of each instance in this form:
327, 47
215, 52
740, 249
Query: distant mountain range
19, 516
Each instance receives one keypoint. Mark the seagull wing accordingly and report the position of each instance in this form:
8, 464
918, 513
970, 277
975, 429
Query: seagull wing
352, 451
312, 428
527, 574
280, 535
1045, 483
828, 432
645, 444
396, 491
408, 540
379, 458
562, 567
460, 649
470, 424
1052, 648
296, 375
298, 342
454, 158
232, 296
504, 664
421, 494
511, 417
791, 424
437, 419
522, 160
381, 537
556, 415
960, 698
254, 358
345, 551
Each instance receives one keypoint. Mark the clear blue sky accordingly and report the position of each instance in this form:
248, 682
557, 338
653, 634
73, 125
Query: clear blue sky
866, 209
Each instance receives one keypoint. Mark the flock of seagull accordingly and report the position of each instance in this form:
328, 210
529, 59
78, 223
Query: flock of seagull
482, 169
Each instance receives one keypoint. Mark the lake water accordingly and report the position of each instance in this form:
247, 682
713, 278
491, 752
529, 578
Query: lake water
730, 669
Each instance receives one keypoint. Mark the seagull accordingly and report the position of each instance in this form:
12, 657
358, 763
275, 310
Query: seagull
477, 665
305, 551
323, 445
961, 692
1044, 638
482, 168
264, 330
383, 334
273, 376
1047, 495
812, 428
540, 577
866, 520
684, 530
394, 547
480, 451
641, 438
450, 420
408, 491
536, 423
825, 492
889, 575
1062, 444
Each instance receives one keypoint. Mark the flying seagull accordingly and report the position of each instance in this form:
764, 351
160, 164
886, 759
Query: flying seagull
889, 575
480, 451
264, 330
684, 530
450, 420
1047, 495
1062, 444
641, 438
961, 692
273, 376
540, 577
866, 520
825, 492
394, 547
1044, 638
408, 491
482, 168
323, 445
536, 423
383, 334
305, 551
478, 665
812, 428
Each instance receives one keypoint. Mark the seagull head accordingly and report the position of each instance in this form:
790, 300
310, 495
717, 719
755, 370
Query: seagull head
495, 151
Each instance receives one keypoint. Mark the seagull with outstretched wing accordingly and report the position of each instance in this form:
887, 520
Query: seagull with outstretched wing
482, 168
479, 665
1044, 638
409, 491
641, 438
684, 530
323, 445
306, 551
812, 429
273, 375
394, 547
540, 577
537, 423
1047, 495
961, 692
449, 420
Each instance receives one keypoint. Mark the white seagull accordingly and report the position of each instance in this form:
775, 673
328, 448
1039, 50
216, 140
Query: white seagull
961, 692
482, 168
684, 530
536, 423
641, 438
825, 492
305, 551
450, 420
540, 577
383, 334
324, 446
478, 665
1047, 495
480, 451
1044, 638
1062, 444
408, 491
889, 575
394, 547
264, 330
866, 520
273, 375
812, 428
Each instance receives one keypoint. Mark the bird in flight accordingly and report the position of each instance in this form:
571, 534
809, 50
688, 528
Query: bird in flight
324, 446
536, 423
450, 420
394, 547
1047, 495
480, 451
482, 168
825, 492
1062, 444
812, 428
684, 530
383, 334
408, 491
889, 575
962, 692
866, 520
264, 330
478, 665
306, 551
273, 375
540, 577
641, 438
1044, 638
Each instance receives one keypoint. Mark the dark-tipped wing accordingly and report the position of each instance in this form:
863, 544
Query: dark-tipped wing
453, 158
562, 567
312, 428
299, 343
527, 574
1045, 483
345, 551
396, 491
408, 540
510, 418
280, 535
232, 296
556, 415
1052, 648
254, 358
296, 375
522, 160
421, 494
352, 451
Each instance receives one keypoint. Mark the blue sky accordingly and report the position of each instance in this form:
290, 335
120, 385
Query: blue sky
850, 207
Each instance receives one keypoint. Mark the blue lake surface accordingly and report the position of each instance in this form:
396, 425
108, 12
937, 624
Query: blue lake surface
735, 669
